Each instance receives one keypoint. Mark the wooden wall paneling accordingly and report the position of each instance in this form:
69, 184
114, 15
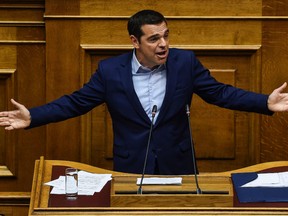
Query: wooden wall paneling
22, 60
63, 77
14, 203
62, 8
7, 143
214, 31
236, 131
27, 62
17, 11
8, 57
213, 127
8, 66
17, 159
31, 84
274, 138
7, 33
171, 8
20, 85
105, 31
14, 210
255, 67
34, 32
86, 130
182, 32
275, 8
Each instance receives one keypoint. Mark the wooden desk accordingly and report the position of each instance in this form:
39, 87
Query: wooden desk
177, 200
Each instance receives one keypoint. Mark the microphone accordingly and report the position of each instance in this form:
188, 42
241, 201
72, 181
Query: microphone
154, 110
198, 190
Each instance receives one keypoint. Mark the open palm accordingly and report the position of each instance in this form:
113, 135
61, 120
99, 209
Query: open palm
278, 101
16, 119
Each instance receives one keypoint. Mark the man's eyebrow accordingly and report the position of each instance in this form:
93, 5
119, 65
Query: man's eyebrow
157, 35
154, 36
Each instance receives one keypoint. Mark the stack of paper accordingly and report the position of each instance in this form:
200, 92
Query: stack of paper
88, 183
279, 179
159, 181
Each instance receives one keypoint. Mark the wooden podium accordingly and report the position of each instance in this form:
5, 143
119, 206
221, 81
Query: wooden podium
119, 197
216, 192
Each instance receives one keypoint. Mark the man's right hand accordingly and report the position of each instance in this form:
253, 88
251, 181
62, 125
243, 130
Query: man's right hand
16, 119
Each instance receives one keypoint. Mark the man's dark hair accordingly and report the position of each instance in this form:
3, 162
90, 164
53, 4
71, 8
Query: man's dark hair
141, 18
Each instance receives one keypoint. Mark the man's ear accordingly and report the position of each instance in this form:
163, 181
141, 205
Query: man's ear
134, 41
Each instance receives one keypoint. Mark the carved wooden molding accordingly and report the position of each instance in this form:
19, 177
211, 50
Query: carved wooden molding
4, 171
172, 17
15, 198
21, 42
251, 48
5, 73
22, 23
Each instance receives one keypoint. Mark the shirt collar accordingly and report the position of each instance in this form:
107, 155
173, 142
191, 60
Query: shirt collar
138, 68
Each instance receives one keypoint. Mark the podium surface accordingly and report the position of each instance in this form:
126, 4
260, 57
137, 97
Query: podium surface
119, 196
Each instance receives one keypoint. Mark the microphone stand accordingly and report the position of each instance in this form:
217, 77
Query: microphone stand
198, 190
154, 110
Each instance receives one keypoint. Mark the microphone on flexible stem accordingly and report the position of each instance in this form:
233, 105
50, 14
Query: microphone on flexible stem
154, 110
198, 190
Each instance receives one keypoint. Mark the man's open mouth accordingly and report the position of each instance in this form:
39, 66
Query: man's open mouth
161, 54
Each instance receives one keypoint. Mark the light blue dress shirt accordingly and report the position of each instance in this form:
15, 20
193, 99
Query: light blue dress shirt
150, 85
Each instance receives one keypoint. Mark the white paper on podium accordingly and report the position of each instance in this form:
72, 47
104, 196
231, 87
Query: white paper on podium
88, 183
279, 179
160, 181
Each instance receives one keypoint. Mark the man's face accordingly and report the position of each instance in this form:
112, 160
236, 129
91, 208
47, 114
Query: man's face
153, 47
